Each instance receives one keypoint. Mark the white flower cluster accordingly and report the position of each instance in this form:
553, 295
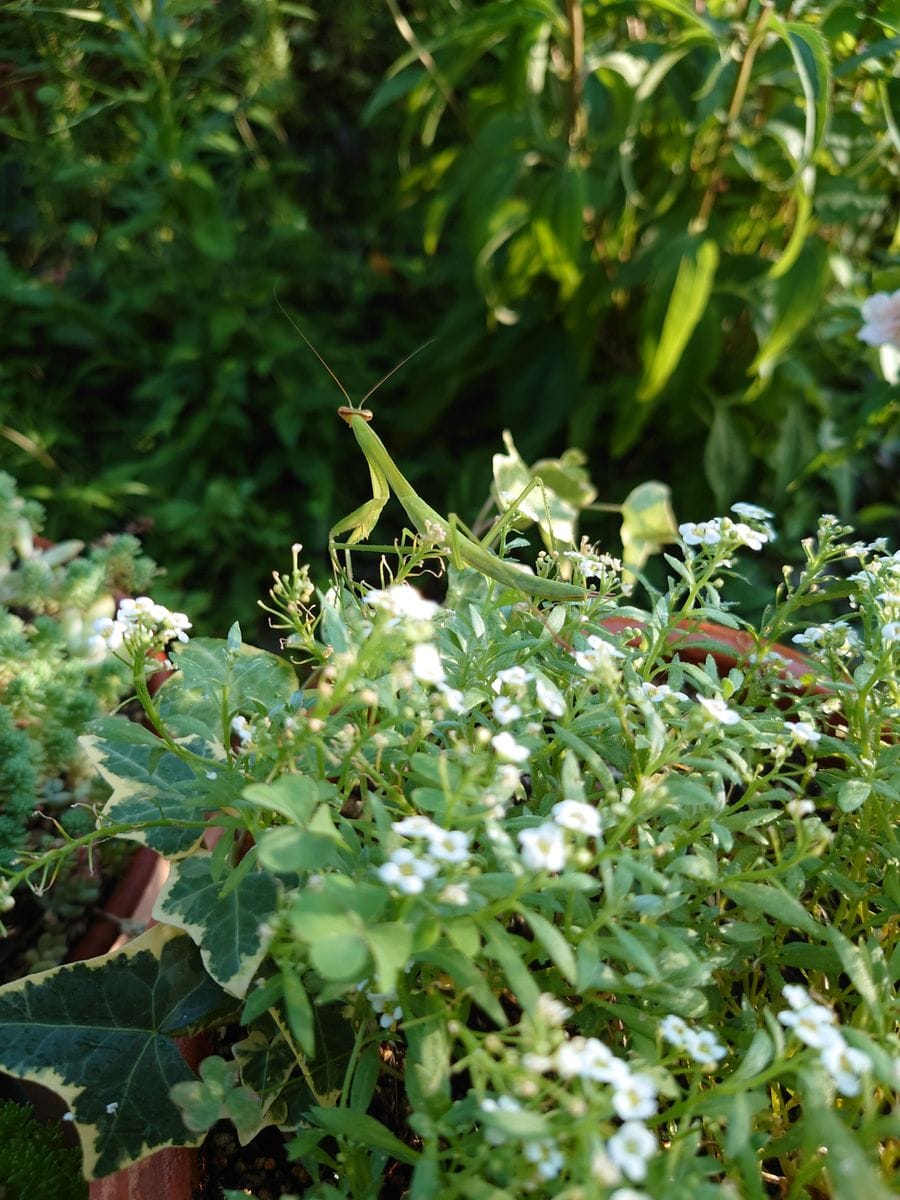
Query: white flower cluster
514, 687
879, 581
717, 712
385, 1006
402, 603
633, 1096
659, 693
599, 658
701, 1045
140, 622
836, 636
545, 847
408, 872
881, 314
816, 1026
753, 532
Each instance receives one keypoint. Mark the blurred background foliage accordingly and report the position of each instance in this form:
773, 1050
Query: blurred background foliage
644, 229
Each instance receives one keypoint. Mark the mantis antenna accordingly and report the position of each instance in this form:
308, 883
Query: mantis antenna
350, 409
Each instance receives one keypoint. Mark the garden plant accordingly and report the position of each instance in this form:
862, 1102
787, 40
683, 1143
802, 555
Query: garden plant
54, 678
588, 897
644, 228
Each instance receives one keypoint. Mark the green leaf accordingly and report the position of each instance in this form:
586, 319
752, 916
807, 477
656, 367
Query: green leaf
647, 524
796, 299
427, 1071
214, 682
690, 293
100, 1034
291, 796
148, 782
852, 794
553, 941
227, 928
504, 947
362, 1130
391, 945
775, 902
726, 460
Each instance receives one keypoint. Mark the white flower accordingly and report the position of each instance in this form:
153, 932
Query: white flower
891, 632
589, 1058
386, 1008
579, 817
112, 1107
803, 731
881, 314
537, 1064
657, 693
453, 698
502, 1104
505, 711
753, 539
675, 1030
796, 996
594, 566
406, 872
551, 1011
449, 845
599, 656
634, 1097
752, 512
417, 826
628, 1194
704, 1047
845, 1065
813, 1024
240, 727
549, 698
545, 1156
543, 848
402, 601
514, 678
508, 749
717, 710
456, 894
700, 533
800, 808
426, 663
630, 1148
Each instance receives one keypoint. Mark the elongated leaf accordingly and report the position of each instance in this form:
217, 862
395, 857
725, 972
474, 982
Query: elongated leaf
363, 1130
227, 928
99, 1033
775, 902
690, 293
557, 947
796, 300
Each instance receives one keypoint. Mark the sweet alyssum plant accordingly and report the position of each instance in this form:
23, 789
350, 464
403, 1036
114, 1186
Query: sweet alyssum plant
510, 897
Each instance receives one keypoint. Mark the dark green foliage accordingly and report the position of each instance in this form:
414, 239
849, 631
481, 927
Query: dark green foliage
34, 1163
543, 207
18, 781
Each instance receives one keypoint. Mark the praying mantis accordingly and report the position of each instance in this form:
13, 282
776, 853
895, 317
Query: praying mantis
444, 532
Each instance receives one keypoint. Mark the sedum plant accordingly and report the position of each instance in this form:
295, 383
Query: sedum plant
54, 677
509, 897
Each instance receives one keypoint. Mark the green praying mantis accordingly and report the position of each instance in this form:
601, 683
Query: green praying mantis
443, 532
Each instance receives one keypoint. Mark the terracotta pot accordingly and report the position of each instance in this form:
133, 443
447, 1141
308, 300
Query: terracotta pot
694, 640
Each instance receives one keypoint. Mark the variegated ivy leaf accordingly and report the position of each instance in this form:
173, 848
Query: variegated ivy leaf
215, 682
100, 1034
647, 524
227, 921
566, 490
149, 783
